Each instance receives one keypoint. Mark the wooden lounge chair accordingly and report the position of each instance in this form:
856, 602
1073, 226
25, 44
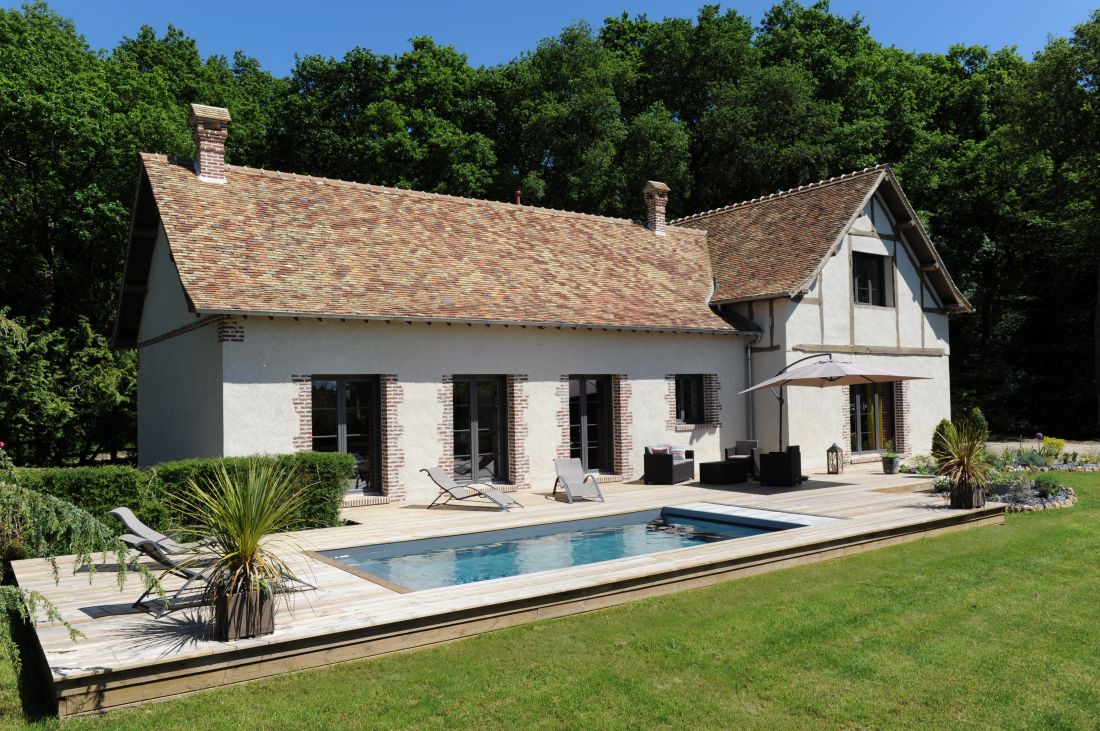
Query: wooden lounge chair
451, 490
575, 481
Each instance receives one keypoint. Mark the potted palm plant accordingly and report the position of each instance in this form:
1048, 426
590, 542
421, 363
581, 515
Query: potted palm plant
890, 459
236, 512
960, 455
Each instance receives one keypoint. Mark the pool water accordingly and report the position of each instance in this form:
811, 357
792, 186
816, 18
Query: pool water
436, 562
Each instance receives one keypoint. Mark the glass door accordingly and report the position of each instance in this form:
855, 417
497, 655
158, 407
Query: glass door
479, 426
590, 422
346, 418
871, 410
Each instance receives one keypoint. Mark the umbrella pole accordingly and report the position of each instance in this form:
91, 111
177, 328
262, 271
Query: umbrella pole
780, 418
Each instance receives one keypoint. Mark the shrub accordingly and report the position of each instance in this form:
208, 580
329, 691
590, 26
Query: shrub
937, 433
1046, 484
99, 489
321, 476
959, 452
975, 415
1053, 447
1030, 458
237, 507
1020, 491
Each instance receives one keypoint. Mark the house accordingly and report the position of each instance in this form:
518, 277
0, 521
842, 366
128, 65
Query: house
275, 312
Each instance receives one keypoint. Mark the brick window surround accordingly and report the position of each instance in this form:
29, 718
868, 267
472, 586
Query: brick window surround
519, 466
392, 455
622, 420
902, 433
712, 405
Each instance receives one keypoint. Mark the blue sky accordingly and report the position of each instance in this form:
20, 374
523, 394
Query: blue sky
495, 31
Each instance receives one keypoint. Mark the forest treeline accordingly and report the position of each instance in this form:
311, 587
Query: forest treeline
998, 153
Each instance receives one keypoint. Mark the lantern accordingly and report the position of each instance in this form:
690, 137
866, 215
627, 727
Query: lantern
834, 459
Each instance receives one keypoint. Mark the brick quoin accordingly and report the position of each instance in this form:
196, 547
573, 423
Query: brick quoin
670, 402
230, 330
519, 466
303, 407
447, 425
562, 391
902, 438
712, 403
393, 456
622, 421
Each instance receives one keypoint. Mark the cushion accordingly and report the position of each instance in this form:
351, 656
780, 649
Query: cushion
658, 449
678, 453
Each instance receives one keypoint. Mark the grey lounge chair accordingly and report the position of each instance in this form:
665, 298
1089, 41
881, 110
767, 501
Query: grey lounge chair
576, 482
451, 490
175, 564
140, 530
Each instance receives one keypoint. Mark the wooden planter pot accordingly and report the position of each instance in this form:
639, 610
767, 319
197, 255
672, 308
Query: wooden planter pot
967, 498
237, 616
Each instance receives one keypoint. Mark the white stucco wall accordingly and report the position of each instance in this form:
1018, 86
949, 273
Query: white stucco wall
179, 379
258, 391
825, 317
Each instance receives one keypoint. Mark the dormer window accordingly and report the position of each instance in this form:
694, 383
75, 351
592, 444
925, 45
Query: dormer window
869, 279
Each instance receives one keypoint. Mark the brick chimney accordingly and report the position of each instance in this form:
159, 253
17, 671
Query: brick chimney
209, 128
656, 198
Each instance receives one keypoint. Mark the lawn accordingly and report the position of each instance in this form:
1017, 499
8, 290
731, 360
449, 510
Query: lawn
995, 627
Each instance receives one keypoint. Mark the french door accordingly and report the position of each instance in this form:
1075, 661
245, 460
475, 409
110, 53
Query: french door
590, 432
479, 429
871, 410
346, 418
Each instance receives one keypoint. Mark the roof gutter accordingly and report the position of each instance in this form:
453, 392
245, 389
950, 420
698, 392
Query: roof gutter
534, 324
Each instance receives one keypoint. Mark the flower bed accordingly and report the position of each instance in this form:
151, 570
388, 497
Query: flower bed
1035, 502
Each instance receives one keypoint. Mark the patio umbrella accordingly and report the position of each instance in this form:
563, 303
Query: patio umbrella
825, 374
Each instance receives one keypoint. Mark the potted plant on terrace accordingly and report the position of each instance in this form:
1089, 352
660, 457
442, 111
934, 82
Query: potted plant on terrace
960, 455
890, 458
236, 513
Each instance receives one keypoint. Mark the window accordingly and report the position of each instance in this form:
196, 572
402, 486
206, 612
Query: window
689, 399
869, 277
480, 413
590, 435
346, 418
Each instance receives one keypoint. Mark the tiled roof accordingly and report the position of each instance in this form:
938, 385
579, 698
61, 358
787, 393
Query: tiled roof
277, 243
771, 246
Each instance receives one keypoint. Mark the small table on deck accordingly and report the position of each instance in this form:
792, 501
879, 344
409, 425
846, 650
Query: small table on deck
725, 472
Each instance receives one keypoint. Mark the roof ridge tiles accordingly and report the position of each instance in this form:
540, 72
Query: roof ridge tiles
784, 193
373, 187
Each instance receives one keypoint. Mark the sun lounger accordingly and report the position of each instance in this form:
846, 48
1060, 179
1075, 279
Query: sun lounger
451, 490
136, 528
575, 481
179, 564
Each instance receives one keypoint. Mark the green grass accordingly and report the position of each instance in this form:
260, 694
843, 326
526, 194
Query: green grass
995, 627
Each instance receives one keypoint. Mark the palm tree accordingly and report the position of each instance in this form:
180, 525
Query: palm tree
236, 513
959, 450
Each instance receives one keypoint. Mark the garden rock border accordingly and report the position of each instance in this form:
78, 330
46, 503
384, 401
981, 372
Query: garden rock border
1068, 499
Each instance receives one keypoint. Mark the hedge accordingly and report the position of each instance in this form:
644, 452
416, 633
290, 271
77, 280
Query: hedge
99, 489
323, 475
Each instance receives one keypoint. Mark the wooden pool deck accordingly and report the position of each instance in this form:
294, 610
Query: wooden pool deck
129, 657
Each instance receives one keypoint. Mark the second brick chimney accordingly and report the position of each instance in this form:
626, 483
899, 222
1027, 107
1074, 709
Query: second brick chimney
656, 198
209, 128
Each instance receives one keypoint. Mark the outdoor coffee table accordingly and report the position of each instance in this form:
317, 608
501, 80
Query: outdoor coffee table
725, 472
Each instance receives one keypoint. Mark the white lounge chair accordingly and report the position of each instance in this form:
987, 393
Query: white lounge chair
575, 481
451, 490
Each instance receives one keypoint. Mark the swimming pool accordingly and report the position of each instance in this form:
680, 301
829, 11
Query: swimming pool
436, 562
